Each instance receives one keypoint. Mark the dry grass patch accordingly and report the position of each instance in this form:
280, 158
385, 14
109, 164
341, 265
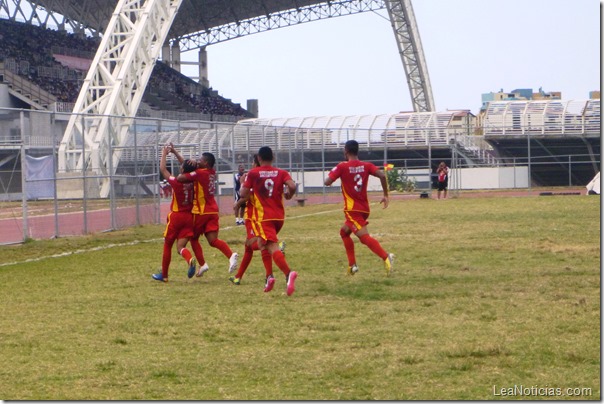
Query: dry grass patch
487, 292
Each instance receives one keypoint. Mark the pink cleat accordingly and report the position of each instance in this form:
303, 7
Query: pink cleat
291, 282
270, 282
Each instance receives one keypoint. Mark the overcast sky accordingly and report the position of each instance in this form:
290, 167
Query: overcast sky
350, 65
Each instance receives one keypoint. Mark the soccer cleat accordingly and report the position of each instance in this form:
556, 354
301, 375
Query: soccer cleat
159, 277
233, 262
388, 263
270, 282
202, 270
192, 265
353, 269
235, 281
282, 247
291, 282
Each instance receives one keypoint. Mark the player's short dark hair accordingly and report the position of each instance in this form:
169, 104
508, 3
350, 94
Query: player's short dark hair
265, 153
210, 159
352, 147
256, 161
189, 166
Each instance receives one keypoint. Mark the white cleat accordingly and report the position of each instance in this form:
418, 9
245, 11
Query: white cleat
233, 262
202, 270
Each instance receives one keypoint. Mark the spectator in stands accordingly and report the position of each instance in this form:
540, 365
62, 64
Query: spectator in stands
28, 50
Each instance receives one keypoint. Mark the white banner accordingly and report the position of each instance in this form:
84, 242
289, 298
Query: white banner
39, 177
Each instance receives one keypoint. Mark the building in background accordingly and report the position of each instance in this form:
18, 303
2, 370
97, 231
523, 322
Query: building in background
519, 94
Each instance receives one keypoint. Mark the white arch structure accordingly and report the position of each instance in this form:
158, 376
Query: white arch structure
114, 86
131, 44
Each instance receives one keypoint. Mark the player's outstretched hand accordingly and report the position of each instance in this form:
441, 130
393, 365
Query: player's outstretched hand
385, 202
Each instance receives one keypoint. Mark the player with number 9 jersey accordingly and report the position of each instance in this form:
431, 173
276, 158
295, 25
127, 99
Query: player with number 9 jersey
267, 183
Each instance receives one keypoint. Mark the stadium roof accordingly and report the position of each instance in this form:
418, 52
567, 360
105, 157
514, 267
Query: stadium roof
193, 15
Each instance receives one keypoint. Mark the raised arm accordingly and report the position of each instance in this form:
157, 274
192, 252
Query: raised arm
162, 163
176, 153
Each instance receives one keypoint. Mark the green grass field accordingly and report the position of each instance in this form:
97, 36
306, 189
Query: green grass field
491, 296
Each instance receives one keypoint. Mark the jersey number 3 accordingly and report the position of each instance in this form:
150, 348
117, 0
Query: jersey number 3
358, 179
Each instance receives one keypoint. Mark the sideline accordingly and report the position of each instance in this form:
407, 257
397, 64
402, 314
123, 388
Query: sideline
135, 242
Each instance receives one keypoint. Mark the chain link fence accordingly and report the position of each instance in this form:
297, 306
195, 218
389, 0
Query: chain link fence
46, 192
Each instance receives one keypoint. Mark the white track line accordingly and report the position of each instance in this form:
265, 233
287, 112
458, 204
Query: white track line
135, 242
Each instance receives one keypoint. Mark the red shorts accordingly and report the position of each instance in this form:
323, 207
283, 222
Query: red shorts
179, 225
249, 230
268, 230
356, 220
203, 224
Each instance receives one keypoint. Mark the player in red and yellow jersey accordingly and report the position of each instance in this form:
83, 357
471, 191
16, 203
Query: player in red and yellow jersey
179, 225
251, 241
266, 184
205, 211
354, 175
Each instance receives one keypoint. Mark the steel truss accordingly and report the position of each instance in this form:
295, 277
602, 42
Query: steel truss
114, 86
412, 54
276, 20
401, 17
52, 13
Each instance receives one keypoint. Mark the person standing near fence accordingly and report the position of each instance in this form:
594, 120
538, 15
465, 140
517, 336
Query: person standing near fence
179, 227
268, 185
443, 179
206, 220
354, 175
237, 178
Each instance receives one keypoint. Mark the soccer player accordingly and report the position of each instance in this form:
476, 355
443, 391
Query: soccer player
251, 242
266, 183
179, 225
205, 211
354, 174
237, 181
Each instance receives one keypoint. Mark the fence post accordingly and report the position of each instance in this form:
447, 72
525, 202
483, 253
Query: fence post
112, 201
54, 176
24, 185
137, 177
528, 155
570, 181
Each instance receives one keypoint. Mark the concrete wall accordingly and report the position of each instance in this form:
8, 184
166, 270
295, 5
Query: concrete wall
489, 178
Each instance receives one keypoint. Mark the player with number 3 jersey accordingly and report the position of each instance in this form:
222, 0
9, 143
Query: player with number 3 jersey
354, 176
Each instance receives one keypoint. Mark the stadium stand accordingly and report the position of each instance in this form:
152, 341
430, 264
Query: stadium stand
57, 62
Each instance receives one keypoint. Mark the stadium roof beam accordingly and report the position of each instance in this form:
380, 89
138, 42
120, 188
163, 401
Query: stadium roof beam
274, 20
203, 22
56, 12
412, 54
114, 86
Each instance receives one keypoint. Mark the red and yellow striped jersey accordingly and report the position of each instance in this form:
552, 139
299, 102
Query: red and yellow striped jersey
205, 187
182, 195
354, 175
266, 185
